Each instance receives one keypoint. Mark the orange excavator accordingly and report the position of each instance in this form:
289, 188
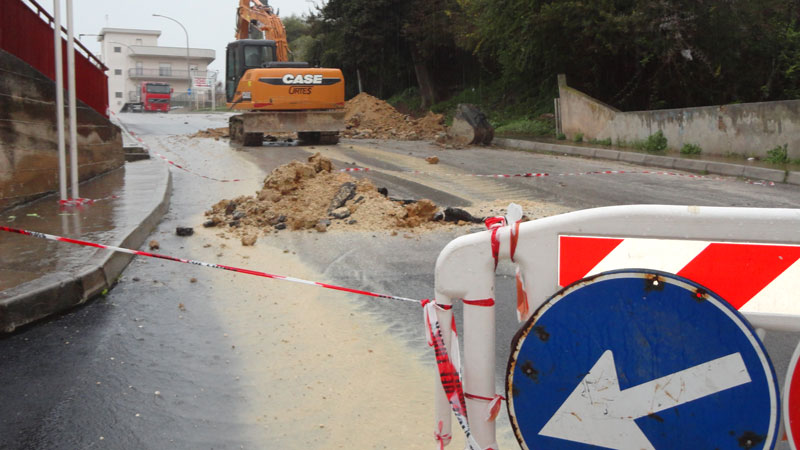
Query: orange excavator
274, 94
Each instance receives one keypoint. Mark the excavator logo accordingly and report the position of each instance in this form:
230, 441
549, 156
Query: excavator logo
300, 80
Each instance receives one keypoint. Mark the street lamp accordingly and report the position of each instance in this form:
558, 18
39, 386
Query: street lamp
188, 73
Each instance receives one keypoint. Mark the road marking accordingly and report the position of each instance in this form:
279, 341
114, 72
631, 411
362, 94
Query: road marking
598, 413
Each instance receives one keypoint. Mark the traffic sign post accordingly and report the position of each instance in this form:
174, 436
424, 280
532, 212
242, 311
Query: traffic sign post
638, 359
791, 401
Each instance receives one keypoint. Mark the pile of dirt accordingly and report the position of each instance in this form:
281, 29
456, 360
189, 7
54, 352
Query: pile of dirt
215, 133
368, 117
311, 195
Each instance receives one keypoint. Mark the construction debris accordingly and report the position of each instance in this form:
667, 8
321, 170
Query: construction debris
470, 126
311, 195
368, 117
214, 133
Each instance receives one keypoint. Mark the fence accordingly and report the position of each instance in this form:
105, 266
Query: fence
26, 31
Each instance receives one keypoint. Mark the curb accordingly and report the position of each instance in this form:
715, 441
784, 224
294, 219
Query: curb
59, 291
664, 162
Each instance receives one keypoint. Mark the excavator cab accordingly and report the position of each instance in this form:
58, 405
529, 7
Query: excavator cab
243, 55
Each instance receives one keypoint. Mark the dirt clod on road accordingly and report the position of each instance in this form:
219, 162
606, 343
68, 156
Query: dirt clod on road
213, 133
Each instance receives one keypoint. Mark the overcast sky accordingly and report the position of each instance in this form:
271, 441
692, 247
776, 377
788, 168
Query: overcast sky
209, 23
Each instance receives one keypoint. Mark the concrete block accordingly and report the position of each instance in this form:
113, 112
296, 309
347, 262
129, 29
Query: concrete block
92, 282
632, 157
605, 153
762, 173
691, 165
666, 162
731, 170
793, 178
588, 152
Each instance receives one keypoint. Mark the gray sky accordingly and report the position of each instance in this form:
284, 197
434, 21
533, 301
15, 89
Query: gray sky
209, 23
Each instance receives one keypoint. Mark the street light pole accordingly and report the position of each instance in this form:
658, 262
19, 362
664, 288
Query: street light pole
188, 73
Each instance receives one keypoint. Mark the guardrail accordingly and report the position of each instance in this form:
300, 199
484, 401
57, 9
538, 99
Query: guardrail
155, 74
26, 31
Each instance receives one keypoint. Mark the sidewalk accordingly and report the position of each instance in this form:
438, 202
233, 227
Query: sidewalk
39, 277
665, 162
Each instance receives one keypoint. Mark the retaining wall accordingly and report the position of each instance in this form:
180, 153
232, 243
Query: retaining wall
746, 129
29, 137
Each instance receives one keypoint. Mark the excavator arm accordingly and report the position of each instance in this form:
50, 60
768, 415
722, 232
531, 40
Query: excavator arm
261, 15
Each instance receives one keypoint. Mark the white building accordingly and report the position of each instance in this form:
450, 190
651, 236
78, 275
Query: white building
133, 56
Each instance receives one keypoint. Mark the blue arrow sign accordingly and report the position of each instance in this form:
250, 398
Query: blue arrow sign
641, 360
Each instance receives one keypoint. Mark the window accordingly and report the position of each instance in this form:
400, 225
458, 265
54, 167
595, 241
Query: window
117, 71
255, 56
138, 41
118, 94
117, 49
139, 68
164, 69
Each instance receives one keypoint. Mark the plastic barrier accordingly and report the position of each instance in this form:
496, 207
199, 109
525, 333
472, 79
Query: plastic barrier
766, 242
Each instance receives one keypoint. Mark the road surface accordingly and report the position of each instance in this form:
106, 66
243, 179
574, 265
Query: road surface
181, 356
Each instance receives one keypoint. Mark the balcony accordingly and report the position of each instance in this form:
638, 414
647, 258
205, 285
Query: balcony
164, 74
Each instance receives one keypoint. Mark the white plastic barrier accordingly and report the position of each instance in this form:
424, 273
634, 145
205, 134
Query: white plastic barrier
667, 238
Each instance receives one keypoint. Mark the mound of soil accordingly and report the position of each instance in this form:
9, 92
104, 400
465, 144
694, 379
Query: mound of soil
311, 195
368, 117
214, 133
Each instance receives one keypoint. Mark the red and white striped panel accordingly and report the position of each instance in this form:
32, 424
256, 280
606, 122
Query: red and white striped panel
762, 278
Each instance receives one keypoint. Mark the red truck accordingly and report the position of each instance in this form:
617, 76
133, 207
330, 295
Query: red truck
153, 96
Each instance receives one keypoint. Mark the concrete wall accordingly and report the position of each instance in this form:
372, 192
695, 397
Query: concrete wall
747, 129
28, 136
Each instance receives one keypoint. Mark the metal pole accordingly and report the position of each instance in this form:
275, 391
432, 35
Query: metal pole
214, 93
73, 119
188, 73
59, 74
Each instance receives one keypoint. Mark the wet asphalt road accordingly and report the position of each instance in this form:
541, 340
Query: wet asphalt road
133, 370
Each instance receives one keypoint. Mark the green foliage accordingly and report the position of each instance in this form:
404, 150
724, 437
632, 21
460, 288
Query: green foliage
504, 56
656, 142
778, 155
606, 141
527, 127
408, 101
691, 149
578, 137
295, 27
561, 136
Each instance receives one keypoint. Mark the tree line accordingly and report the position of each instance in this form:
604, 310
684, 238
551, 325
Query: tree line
632, 54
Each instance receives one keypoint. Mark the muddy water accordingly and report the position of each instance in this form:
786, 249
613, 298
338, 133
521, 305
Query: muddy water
306, 368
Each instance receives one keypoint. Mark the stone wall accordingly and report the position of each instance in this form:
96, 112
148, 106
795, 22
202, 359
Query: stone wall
28, 136
746, 129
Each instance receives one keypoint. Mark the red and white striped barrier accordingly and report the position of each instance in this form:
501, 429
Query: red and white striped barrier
749, 256
750, 276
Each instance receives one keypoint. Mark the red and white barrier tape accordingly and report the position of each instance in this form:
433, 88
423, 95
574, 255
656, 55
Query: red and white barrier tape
449, 373
553, 175
515, 175
173, 163
167, 160
200, 263
85, 201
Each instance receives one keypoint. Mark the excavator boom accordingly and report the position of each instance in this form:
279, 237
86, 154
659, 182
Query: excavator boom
256, 14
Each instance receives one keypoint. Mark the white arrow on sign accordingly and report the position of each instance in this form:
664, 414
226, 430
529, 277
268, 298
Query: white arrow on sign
598, 413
